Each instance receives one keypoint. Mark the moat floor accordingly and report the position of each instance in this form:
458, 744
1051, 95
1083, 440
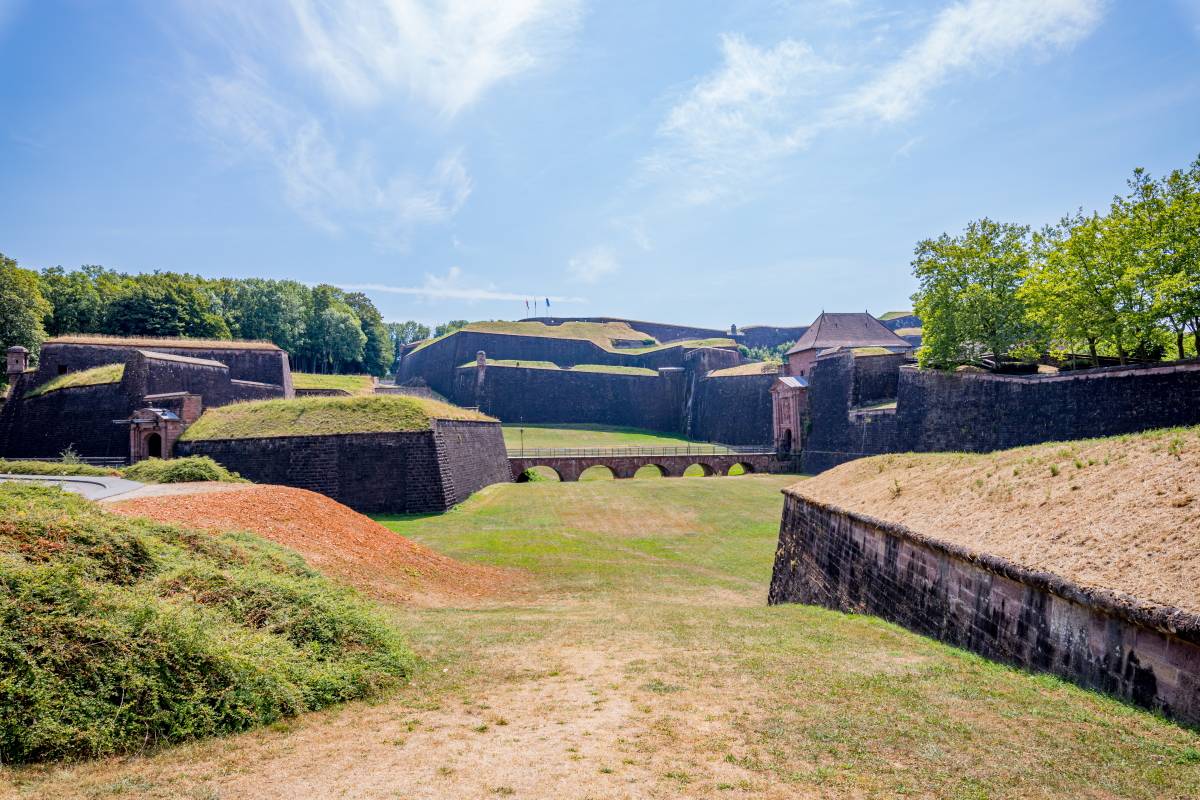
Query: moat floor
641, 661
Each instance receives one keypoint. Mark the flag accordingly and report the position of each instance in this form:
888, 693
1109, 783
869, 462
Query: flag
526, 306
547, 302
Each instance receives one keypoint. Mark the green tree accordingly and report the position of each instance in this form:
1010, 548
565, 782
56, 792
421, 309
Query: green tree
336, 338
76, 299
967, 297
274, 311
378, 351
22, 307
405, 333
166, 304
449, 327
1176, 280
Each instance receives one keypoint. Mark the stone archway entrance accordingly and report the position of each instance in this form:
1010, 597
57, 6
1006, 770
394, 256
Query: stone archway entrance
154, 446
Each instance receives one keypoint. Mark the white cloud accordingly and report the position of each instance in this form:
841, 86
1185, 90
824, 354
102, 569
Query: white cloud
591, 266
763, 104
974, 35
456, 285
331, 190
365, 60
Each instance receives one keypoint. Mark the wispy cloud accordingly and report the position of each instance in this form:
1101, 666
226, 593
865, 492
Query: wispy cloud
593, 265
765, 103
456, 285
364, 59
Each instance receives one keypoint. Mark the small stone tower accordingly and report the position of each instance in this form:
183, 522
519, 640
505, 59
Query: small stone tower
18, 359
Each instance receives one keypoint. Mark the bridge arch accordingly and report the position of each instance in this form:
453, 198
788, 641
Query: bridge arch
652, 470
740, 468
538, 472
598, 472
706, 470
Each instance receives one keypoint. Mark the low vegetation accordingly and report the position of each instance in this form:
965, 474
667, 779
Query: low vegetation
118, 635
180, 470
317, 416
350, 384
152, 470
105, 373
610, 368
602, 334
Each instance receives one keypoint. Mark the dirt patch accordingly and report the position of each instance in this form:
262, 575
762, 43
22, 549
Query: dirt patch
1120, 513
333, 539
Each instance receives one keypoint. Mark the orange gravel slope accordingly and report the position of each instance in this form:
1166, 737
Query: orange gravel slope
334, 539
1121, 513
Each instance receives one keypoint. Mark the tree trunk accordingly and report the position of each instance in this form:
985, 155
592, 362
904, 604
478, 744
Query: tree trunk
1092, 350
1179, 342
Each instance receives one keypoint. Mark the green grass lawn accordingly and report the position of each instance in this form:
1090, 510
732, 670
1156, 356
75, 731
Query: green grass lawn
636, 657
669, 579
582, 434
350, 384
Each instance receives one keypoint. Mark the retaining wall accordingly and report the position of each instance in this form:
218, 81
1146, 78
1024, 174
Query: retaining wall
260, 366
1146, 654
401, 473
735, 409
937, 411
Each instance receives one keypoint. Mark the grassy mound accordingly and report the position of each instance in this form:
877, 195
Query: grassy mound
180, 470
316, 416
117, 634
602, 334
350, 384
610, 368
105, 373
752, 368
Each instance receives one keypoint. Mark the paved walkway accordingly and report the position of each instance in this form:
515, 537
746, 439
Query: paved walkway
91, 487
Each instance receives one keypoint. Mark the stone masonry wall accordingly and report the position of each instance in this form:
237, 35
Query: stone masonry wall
938, 411
732, 410
262, 366
519, 394
401, 473
1146, 654
80, 418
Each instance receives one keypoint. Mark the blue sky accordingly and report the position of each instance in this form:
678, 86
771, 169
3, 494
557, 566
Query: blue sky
750, 162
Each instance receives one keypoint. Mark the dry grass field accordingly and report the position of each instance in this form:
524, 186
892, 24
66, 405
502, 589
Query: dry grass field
641, 661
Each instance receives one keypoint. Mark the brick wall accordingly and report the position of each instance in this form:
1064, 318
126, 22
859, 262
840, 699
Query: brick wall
769, 335
1146, 654
262, 366
81, 418
401, 473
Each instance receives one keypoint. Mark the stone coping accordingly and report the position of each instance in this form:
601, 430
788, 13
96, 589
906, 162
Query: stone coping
1128, 370
1167, 619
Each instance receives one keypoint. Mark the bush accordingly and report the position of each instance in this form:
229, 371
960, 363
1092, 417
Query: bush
180, 470
120, 634
53, 468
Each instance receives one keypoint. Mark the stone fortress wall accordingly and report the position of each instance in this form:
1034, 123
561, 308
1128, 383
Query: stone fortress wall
401, 473
980, 412
750, 335
1145, 654
83, 417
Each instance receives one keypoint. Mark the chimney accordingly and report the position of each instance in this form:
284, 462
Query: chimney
18, 359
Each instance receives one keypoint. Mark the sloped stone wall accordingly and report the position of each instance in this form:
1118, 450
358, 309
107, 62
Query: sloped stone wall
1146, 654
732, 410
400, 473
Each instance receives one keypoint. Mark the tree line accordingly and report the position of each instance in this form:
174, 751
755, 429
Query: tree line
1124, 283
322, 328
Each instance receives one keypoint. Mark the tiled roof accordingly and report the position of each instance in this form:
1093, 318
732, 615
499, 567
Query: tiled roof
857, 329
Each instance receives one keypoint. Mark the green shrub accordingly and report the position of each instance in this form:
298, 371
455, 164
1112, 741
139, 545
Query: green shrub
53, 468
180, 470
119, 634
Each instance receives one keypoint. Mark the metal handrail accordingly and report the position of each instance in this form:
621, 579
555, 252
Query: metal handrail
92, 461
616, 452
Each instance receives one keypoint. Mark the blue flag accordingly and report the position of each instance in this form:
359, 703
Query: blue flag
547, 302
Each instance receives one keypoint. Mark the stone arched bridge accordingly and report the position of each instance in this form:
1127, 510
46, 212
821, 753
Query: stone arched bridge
671, 462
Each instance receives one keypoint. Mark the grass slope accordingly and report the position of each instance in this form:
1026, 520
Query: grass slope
315, 416
1120, 513
644, 662
752, 368
119, 634
350, 384
105, 373
603, 334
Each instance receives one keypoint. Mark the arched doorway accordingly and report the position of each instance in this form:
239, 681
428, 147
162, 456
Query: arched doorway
785, 442
154, 446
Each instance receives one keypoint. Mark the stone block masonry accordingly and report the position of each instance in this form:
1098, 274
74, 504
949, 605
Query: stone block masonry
401, 473
1146, 654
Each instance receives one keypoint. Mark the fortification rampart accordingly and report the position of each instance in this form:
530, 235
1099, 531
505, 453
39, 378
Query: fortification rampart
937, 411
402, 473
265, 365
663, 332
735, 409
1146, 654
769, 335
533, 395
